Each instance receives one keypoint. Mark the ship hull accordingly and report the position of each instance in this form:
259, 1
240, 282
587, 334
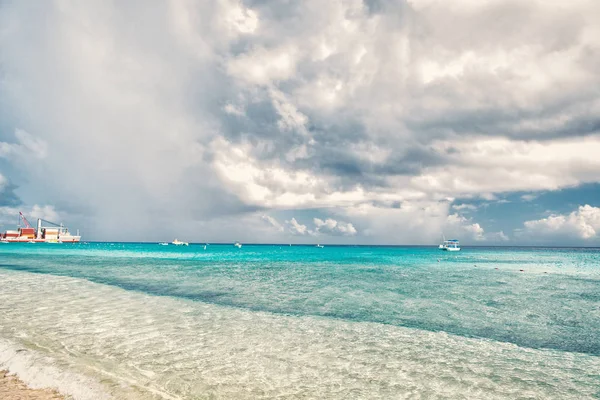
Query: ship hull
451, 248
70, 239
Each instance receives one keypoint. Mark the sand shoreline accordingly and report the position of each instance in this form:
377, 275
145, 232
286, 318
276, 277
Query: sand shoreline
12, 388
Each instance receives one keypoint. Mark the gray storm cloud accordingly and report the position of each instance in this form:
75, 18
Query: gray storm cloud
198, 118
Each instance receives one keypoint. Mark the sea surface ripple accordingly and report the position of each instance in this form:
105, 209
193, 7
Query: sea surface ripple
143, 321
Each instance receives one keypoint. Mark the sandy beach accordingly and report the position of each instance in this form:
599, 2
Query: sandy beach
11, 388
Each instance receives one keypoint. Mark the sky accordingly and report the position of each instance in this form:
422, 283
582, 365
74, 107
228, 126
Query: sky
345, 121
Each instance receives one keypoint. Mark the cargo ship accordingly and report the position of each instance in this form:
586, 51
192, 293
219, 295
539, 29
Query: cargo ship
45, 232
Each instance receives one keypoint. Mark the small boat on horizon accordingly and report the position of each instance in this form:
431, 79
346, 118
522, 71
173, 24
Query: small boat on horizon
163, 244
320, 246
238, 245
449, 245
177, 242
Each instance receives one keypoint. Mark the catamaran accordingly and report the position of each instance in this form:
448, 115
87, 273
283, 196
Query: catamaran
450, 245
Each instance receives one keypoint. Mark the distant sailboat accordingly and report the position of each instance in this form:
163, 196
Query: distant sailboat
238, 245
320, 246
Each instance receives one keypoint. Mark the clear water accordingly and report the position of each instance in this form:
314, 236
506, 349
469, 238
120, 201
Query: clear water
113, 320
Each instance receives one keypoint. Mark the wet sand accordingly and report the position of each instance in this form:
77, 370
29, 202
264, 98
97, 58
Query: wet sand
11, 388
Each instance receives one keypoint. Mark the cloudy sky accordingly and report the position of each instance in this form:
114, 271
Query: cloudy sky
342, 121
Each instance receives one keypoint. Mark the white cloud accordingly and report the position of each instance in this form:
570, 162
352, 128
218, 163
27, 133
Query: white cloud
9, 215
264, 66
272, 222
582, 224
485, 165
459, 207
26, 147
234, 110
45, 212
332, 227
497, 237
459, 226
492, 165
297, 228
414, 222
467, 230
529, 197
242, 19
476, 231
327, 227
272, 184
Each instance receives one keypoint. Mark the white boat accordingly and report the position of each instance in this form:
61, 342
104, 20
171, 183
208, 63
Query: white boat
238, 245
179, 243
164, 244
450, 245
320, 246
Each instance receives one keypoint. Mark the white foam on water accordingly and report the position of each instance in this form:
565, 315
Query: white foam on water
39, 371
135, 346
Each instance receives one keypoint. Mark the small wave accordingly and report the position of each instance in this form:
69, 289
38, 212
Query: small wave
40, 371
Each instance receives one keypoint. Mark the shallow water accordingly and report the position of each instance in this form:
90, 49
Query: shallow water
149, 321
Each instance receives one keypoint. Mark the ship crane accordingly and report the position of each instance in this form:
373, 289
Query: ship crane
51, 223
61, 228
27, 224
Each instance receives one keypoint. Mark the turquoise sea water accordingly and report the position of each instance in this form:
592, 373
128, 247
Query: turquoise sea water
265, 321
